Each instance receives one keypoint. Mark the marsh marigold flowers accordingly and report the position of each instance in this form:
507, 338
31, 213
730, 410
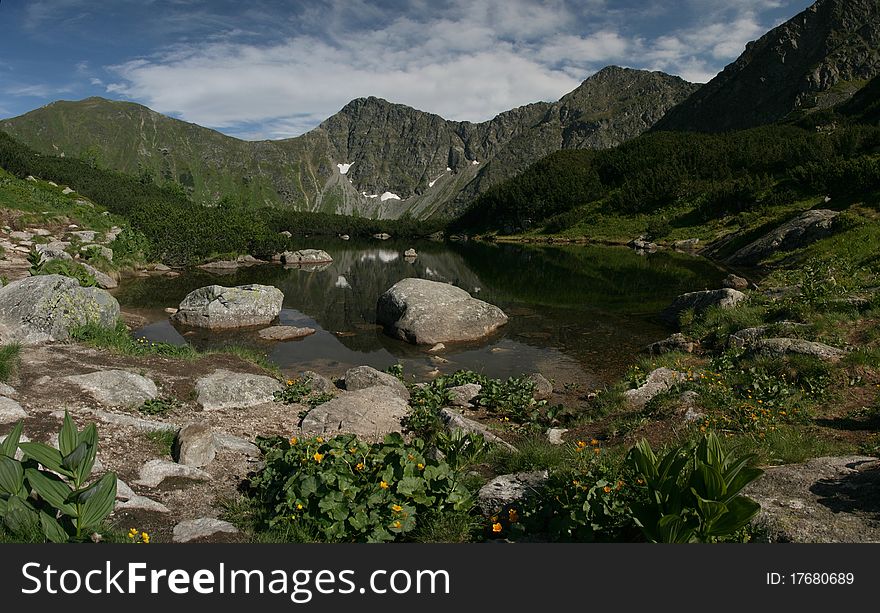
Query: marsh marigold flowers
318, 456
383, 485
496, 527
293, 440
396, 508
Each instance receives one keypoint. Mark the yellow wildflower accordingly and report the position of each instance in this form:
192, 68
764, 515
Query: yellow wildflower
607, 489
318, 456
293, 440
420, 466
383, 485
145, 537
496, 527
396, 508
320, 439
513, 516
359, 466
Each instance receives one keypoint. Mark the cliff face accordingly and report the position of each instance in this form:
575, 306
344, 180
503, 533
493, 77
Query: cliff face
372, 158
815, 60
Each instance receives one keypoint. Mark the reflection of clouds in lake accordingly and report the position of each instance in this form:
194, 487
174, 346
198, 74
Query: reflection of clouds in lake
342, 282
388, 256
431, 272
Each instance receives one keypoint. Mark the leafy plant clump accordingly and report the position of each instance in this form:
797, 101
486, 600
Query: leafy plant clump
50, 492
346, 490
692, 491
158, 406
66, 268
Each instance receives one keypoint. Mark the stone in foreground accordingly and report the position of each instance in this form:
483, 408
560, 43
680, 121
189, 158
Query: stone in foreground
224, 389
116, 388
788, 346
363, 377
47, 307
506, 490
195, 445
10, 411
369, 413
824, 500
453, 420
428, 312
218, 307
700, 301
195, 529
155, 472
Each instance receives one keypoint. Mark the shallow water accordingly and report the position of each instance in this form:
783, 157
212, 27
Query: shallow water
577, 313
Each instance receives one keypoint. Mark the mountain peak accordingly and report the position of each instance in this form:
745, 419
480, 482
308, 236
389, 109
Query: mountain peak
816, 59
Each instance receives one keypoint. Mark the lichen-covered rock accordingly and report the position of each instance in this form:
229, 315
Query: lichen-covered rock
224, 389
784, 346
47, 307
659, 381
370, 413
463, 395
155, 472
219, 307
195, 445
675, 342
284, 333
505, 490
10, 411
116, 388
823, 500
204, 527
725, 298
428, 312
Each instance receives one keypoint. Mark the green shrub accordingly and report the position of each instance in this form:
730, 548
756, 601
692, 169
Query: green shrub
67, 268
692, 491
10, 357
158, 406
347, 490
57, 499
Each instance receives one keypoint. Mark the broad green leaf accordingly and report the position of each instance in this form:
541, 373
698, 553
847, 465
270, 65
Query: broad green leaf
10, 443
67, 437
20, 517
51, 489
52, 529
740, 512
73, 460
99, 502
11, 476
708, 482
674, 529
742, 479
47, 456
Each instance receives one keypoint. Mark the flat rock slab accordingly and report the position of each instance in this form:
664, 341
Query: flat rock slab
463, 395
505, 490
10, 411
799, 232
127, 421
824, 500
285, 333
116, 388
225, 389
370, 413
788, 346
204, 527
363, 377
155, 472
554, 435
218, 307
428, 312
456, 421
674, 342
659, 381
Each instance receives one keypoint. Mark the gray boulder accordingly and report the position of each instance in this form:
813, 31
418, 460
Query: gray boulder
224, 389
824, 500
463, 395
554, 435
363, 377
195, 445
155, 472
506, 490
103, 280
46, 307
785, 346
428, 312
659, 381
799, 232
204, 527
284, 333
305, 256
675, 342
700, 301
319, 383
219, 307
735, 282
116, 388
369, 413
53, 251
543, 386
10, 411
453, 420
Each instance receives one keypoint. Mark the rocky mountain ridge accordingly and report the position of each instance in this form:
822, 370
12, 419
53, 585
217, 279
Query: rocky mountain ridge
373, 158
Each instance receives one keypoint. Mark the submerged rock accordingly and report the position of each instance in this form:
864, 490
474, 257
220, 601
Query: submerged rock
47, 307
428, 312
284, 333
219, 307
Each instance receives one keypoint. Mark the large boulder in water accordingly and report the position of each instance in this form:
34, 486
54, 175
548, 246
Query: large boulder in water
428, 312
47, 307
305, 256
219, 307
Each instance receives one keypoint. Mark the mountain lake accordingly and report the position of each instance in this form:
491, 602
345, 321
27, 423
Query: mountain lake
578, 313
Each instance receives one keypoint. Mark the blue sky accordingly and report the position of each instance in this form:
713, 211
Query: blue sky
274, 69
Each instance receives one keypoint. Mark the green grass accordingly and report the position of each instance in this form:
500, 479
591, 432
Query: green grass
163, 440
533, 453
10, 358
789, 445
